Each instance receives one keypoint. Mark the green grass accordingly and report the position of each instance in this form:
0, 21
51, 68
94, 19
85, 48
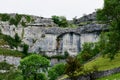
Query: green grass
104, 63
111, 77
10, 52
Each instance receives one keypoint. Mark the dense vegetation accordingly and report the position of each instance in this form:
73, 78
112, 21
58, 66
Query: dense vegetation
7, 52
56, 71
16, 19
32, 66
111, 14
12, 42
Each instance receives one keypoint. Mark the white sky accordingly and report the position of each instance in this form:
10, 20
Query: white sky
47, 8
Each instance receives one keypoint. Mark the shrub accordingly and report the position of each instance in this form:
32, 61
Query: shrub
89, 50
56, 70
28, 18
25, 49
13, 22
4, 17
7, 52
32, 65
61, 21
72, 67
41, 76
23, 23
13, 42
17, 38
66, 54
5, 66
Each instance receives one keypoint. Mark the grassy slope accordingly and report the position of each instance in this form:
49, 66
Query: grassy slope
112, 77
104, 63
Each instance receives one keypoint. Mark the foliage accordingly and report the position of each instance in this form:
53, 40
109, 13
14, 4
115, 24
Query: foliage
5, 66
32, 65
12, 21
60, 21
23, 23
28, 18
56, 70
72, 67
17, 38
66, 54
4, 17
59, 56
10, 52
89, 50
17, 19
25, 49
110, 14
41, 76
13, 42
11, 75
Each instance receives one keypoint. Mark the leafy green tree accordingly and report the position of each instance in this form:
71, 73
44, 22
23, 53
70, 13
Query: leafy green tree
111, 14
32, 66
72, 67
88, 51
60, 21
56, 70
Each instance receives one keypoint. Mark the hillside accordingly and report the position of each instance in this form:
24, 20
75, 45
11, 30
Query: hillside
104, 63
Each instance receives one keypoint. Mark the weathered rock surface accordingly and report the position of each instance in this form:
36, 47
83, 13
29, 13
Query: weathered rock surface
11, 60
43, 36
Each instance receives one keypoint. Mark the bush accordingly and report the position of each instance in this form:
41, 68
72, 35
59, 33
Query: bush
13, 22
66, 54
12, 42
32, 65
61, 21
41, 76
72, 67
4, 17
56, 70
7, 52
11, 75
23, 23
5, 66
89, 50
25, 49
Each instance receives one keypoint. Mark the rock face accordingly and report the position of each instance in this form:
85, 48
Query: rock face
11, 60
42, 38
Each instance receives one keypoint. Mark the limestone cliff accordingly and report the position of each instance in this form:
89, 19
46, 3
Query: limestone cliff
43, 36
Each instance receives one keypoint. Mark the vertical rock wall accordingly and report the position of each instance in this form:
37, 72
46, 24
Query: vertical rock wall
70, 42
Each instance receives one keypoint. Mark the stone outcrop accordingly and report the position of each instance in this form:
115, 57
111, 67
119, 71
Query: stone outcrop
42, 35
11, 60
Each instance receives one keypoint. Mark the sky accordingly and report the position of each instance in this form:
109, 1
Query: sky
47, 8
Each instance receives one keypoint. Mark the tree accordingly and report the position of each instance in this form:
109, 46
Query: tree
61, 21
56, 70
25, 49
111, 14
88, 51
17, 38
72, 67
32, 66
